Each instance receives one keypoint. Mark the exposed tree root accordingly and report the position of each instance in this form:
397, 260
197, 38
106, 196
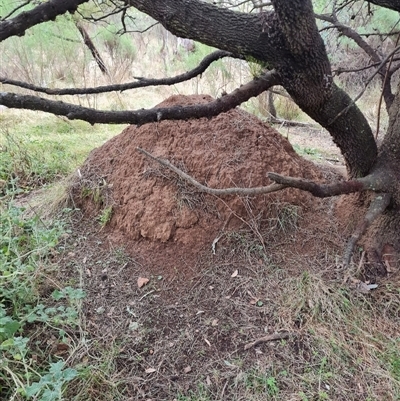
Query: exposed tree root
376, 208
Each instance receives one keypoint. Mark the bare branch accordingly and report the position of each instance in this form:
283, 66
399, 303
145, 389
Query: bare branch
376, 208
115, 11
387, 77
139, 117
341, 70
352, 34
369, 50
368, 81
213, 191
383, 34
392, 4
15, 10
92, 48
370, 182
141, 83
44, 12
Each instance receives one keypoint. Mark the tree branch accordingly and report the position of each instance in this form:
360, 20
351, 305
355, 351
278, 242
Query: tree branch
392, 4
141, 83
369, 182
352, 34
15, 10
44, 12
243, 34
139, 117
367, 82
92, 48
213, 191
341, 70
369, 50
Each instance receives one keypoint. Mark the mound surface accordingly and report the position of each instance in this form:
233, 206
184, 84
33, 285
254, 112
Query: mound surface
163, 218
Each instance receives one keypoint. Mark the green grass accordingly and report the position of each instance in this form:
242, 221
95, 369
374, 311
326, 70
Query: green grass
40, 149
36, 150
26, 244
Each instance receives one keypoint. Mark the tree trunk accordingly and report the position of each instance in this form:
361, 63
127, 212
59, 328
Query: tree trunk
288, 41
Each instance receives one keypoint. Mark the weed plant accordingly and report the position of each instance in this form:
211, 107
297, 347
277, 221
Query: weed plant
26, 247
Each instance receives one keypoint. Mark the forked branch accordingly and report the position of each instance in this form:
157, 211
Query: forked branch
139, 117
139, 83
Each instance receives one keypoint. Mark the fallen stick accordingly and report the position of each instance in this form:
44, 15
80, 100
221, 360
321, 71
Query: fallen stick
269, 337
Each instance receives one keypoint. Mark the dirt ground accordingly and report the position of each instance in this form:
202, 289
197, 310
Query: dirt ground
179, 282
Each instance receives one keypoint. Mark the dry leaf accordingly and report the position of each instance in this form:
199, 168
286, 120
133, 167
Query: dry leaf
141, 281
188, 369
235, 273
150, 370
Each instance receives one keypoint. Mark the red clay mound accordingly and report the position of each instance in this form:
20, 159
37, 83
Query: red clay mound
155, 211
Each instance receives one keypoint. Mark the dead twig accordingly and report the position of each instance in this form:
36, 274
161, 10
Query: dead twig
269, 337
214, 191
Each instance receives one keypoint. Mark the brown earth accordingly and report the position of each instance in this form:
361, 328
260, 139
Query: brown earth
156, 213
